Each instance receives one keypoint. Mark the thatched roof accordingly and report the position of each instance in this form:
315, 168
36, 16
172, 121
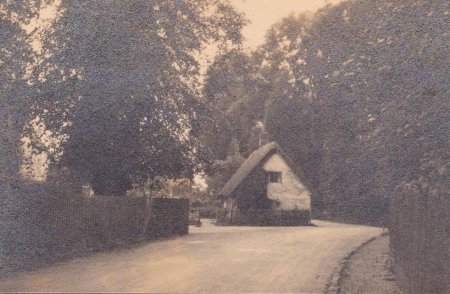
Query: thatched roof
247, 167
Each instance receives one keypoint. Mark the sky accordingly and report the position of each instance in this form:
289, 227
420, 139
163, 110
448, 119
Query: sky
264, 13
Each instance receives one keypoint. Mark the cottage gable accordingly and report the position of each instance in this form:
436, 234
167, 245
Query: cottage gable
288, 191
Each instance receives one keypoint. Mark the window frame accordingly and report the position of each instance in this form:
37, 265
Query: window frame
275, 177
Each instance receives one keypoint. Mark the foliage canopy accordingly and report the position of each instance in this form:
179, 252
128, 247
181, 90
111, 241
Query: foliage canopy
121, 82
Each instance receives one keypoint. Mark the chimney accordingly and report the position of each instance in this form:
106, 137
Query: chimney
263, 138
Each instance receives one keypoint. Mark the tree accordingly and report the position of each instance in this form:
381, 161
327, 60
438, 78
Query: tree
121, 82
17, 95
229, 91
18, 202
362, 65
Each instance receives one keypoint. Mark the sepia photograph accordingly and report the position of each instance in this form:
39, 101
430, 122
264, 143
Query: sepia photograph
225, 146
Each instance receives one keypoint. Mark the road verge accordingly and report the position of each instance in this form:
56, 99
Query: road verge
334, 282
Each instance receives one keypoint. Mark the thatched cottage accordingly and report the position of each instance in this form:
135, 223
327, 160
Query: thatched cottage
265, 191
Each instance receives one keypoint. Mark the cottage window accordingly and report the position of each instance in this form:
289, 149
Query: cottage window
274, 177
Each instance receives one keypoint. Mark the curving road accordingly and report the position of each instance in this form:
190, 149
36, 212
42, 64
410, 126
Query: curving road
209, 259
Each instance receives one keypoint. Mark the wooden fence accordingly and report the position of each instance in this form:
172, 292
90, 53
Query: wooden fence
420, 240
110, 220
103, 222
42, 229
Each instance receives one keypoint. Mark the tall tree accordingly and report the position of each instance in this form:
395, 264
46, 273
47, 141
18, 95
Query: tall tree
289, 114
17, 96
363, 61
243, 85
229, 91
17, 101
123, 77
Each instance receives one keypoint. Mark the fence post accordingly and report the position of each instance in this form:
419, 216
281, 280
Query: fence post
87, 216
148, 199
86, 191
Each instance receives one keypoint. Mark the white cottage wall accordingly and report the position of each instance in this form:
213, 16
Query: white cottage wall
290, 193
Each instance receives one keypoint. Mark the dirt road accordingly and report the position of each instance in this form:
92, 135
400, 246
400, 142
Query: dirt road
210, 259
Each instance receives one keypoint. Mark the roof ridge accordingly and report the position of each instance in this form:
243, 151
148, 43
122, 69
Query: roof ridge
247, 167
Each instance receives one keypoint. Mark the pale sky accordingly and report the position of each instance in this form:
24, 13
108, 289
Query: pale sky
264, 13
